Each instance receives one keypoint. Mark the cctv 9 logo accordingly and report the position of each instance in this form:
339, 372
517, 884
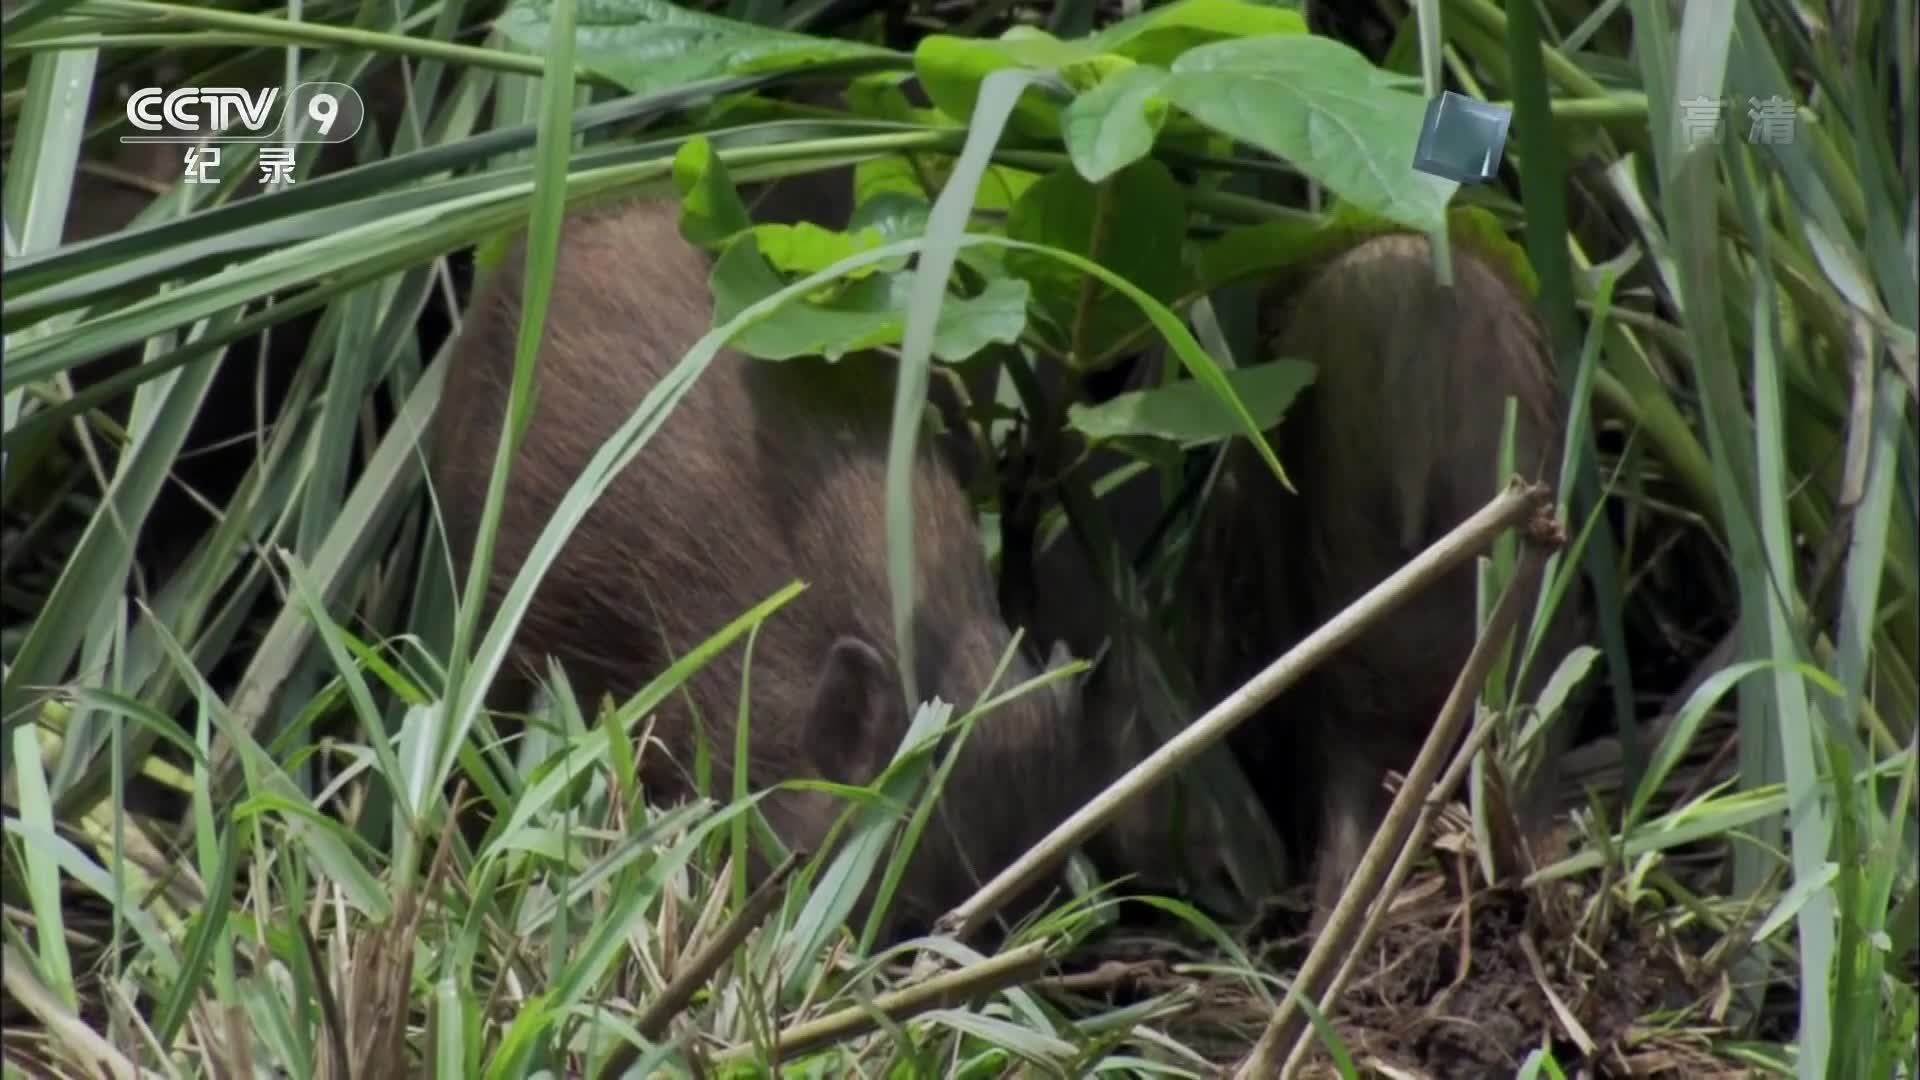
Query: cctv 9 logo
314, 112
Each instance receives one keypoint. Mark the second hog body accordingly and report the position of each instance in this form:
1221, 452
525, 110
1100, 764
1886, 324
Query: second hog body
1394, 444
764, 473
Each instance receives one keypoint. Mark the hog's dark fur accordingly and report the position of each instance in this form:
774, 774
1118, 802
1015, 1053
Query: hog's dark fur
1395, 443
765, 472
1140, 844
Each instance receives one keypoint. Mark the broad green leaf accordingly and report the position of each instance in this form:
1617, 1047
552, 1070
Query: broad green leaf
969, 324
890, 198
850, 321
1000, 187
1250, 251
1476, 228
1113, 125
861, 314
1134, 224
806, 247
894, 215
648, 45
920, 179
952, 68
1160, 35
891, 176
1191, 414
1322, 108
879, 96
1087, 72
710, 209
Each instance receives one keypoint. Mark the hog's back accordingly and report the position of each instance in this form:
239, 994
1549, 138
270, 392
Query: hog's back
763, 474
1397, 444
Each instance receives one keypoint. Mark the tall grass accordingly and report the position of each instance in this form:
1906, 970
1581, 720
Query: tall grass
233, 717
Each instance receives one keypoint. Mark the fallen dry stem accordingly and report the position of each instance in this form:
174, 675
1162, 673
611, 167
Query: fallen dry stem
1432, 805
1391, 853
70, 1037
1517, 504
653, 1020
958, 987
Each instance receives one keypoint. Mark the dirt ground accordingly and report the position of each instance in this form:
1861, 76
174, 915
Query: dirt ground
1466, 980
1467, 985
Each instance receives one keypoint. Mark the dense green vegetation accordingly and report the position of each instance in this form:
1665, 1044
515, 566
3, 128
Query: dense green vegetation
240, 693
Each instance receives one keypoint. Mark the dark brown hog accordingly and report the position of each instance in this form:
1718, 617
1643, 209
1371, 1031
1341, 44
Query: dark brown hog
1074, 605
1395, 443
1166, 843
1068, 599
764, 473
1144, 844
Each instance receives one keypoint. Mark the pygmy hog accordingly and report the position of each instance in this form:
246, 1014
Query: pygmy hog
1395, 443
764, 473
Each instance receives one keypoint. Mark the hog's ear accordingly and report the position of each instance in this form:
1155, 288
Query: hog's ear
1066, 691
852, 729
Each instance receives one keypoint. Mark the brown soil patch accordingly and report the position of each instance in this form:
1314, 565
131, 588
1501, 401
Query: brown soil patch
1467, 982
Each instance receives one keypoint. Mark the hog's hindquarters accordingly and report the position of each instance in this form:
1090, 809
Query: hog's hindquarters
1395, 443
